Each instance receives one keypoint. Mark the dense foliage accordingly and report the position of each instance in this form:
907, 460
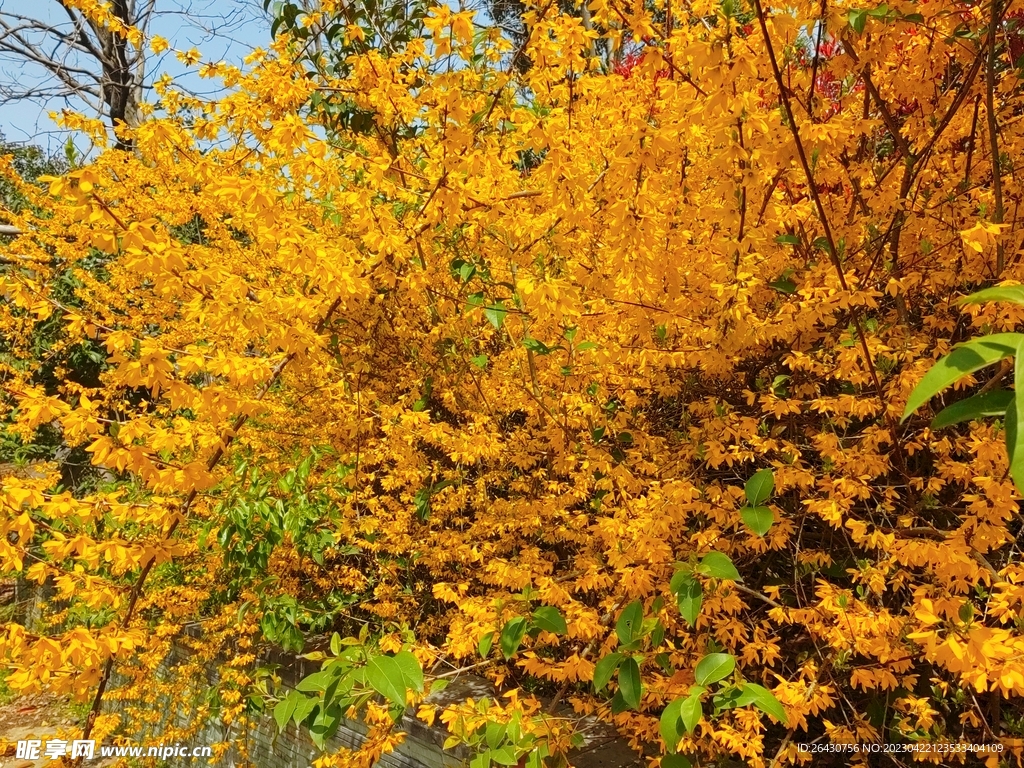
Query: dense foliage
586, 377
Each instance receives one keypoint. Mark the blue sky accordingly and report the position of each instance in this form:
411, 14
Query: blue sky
220, 29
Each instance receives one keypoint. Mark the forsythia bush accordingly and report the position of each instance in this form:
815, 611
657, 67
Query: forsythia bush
488, 379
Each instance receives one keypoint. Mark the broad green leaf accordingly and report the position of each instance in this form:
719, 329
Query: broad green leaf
979, 406
1010, 293
783, 285
726, 699
758, 519
788, 240
480, 361
512, 635
690, 595
285, 708
719, 566
714, 667
679, 578
630, 622
302, 710
484, 648
385, 676
548, 618
964, 359
318, 728
759, 487
676, 761
336, 644
657, 634
411, 670
671, 725
495, 314
629, 682
858, 17
504, 756
618, 704
691, 712
1014, 436
604, 669
318, 681
535, 346
763, 699
494, 734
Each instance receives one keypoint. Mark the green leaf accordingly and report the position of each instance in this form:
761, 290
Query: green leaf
630, 622
494, 734
411, 671
719, 566
758, 519
657, 634
691, 712
672, 724
1011, 293
385, 676
726, 699
504, 756
676, 761
302, 710
783, 285
619, 704
964, 359
604, 669
495, 314
317, 682
629, 682
690, 595
858, 17
1014, 435
548, 618
421, 502
714, 667
979, 406
535, 346
584, 346
285, 708
880, 12
759, 487
335, 644
763, 699
512, 635
788, 240
484, 648
480, 361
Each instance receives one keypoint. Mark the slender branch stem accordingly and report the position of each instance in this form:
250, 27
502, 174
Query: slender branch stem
826, 225
226, 439
993, 128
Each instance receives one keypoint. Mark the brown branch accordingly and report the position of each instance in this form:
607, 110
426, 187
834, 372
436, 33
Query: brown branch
826, 225
993, 129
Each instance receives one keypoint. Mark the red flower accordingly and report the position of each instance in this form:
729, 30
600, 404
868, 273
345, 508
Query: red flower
626, 65
829, 48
